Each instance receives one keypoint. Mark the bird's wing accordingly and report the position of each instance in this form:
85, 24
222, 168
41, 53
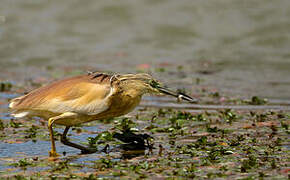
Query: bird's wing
86, 94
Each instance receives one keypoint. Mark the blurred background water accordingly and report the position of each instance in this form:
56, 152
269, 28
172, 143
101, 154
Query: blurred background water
237, 47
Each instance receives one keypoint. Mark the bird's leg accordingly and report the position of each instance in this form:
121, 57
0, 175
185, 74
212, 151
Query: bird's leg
65, 141
51, 121
52, 152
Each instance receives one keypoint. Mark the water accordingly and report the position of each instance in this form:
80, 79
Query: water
236, 47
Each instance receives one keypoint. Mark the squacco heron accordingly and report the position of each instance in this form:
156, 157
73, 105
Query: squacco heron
85, 98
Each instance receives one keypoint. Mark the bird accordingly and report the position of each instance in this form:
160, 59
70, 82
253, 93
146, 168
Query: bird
87, 97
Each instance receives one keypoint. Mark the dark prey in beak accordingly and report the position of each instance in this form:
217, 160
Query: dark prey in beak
179, 96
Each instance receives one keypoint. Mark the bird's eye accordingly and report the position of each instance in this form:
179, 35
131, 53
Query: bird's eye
154, 84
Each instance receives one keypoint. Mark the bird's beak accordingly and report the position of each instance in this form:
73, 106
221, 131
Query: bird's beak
179, 96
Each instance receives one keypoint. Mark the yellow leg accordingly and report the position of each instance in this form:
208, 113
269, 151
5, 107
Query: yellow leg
66, 115
52, 152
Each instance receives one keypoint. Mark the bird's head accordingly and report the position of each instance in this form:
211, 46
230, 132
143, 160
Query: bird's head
145, 83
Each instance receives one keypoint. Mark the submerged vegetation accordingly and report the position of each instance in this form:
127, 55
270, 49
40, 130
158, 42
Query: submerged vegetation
220, 144
5, 86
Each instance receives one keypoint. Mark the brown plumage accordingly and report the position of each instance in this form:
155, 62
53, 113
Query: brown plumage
86, 98
75, 94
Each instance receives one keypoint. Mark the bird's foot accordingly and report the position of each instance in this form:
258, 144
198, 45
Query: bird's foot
53, 154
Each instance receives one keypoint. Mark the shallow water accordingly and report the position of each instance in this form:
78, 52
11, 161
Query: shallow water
214, 107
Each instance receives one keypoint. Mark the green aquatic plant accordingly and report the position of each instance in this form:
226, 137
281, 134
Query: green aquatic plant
104, 163
102, 137
60, 166
2, 126
284, 125
32, 131
261, 117
5, 86
255, 100
249, 163
228, 116
184, 115
215, 94
212, 130
125, 124
23, 163
200, 117
14, 124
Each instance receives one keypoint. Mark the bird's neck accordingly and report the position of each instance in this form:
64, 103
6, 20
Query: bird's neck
133, 93
130, 90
